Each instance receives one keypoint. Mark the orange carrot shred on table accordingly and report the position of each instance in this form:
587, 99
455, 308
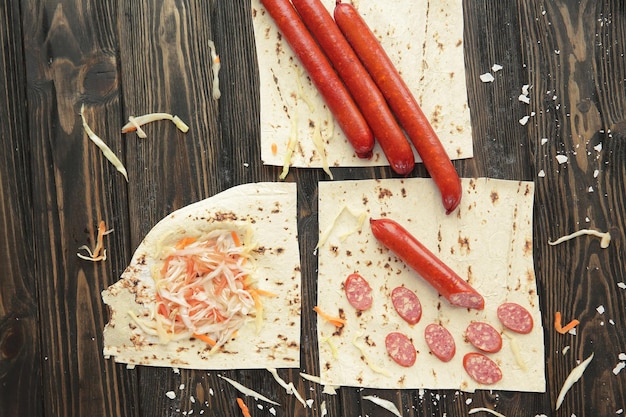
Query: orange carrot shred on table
563, 329
336, 321
98, 253
244, 407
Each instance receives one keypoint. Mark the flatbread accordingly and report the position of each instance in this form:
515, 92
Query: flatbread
425, 42
268, 211
487, 241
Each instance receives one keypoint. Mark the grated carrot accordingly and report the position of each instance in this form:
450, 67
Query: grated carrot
336, 321
274, 149
206, 339
98, 253
244, 407
563, 329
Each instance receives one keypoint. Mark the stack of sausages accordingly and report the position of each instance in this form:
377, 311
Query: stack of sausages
363, 89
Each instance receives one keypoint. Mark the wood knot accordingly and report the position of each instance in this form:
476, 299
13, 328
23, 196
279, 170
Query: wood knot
99, 77
11, 339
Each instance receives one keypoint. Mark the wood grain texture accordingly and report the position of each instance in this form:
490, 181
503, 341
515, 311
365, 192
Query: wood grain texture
127, 58
20, 366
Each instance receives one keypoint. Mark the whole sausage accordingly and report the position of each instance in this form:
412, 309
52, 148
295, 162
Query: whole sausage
323, 75
406, 304
515, 317
483, 336
402, 102
440, 342
400, 349
481, 368
358, 292
368, 97
397, 239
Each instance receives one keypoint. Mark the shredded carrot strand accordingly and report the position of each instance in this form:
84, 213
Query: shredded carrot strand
100, 241
244, 407
263, 293
336, 321
184, 242
236, 239
274, 149
206, 339
563, 329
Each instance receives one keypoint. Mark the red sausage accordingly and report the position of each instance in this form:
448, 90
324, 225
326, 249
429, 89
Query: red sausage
515, 317
368, 97
483, 336
402, 102
358, 292
400, 349
326, 80
451, 286
440, 342
407, 304
481, 368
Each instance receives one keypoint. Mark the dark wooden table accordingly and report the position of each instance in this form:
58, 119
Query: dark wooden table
135, 57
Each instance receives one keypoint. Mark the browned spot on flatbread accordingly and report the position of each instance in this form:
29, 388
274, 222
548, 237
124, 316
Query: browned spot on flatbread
464, 243
528, 247
384, 193
494, 197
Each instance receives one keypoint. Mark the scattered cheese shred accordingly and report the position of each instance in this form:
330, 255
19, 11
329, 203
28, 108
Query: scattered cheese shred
367, 360
302, 94
332, 346
135, 123
516, 352
328, 389
215, 69
289, 387
386, 404
318, 141
326, 233
563, 329
486, 410
247, 391
571, 379
604, 236
291, 147
106, 151
99, 253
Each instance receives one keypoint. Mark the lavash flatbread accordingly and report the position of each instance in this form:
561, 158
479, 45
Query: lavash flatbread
488, 241
269, 211
425, 42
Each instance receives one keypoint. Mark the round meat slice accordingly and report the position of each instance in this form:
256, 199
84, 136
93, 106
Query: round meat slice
358, 292
440, 342
483, 336
407, 304
515, 317
401, 349
481, 368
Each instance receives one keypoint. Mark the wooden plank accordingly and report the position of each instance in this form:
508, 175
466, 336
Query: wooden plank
575, 68
71, 60
20, 368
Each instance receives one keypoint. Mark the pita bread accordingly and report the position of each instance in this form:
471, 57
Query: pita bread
487, 241
265, 210
425, 42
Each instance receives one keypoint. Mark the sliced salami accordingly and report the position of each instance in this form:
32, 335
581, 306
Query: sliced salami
515, 317
481, 368
400, 349
483, 336
407, 304
440, 342
358, 292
